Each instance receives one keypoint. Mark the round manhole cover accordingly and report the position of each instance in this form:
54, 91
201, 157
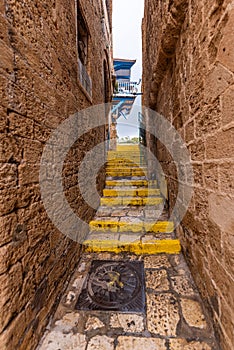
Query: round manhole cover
113, 285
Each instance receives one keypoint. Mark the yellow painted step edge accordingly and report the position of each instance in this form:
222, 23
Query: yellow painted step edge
116, 201
121, 173
127, 183
121, 226
110, 201
168, 246
141, 192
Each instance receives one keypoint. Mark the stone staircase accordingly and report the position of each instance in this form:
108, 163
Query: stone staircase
106, 306
131, 216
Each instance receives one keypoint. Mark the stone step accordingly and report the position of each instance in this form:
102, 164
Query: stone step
126, 172
133, 226
140, 192
125, 151
138, 183
123, 159
154, 246
124, 165
137, 201
124, 155
127, 147
136, 167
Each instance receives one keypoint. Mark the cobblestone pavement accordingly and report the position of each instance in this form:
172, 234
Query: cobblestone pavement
124, 230
174, 318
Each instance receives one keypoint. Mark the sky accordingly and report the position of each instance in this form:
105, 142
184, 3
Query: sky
127, 18
127, 43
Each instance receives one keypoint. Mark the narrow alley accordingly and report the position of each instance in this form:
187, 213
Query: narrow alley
111, 303
116, 175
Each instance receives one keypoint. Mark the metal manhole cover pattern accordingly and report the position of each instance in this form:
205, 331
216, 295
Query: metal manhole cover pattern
114, 285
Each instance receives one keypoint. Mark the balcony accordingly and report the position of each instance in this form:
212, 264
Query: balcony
127, 88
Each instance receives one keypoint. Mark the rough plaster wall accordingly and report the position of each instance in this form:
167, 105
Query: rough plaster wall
39, 89
193, 86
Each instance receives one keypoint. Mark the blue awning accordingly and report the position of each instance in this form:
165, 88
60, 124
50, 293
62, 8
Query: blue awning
123, 64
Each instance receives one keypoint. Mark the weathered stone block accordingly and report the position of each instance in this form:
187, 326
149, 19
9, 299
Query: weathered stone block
8, 201
208, 119
197, 150
218, 146
198, 174
228, 106
225, 52
9, 149
20, 125
211, 175
8, 176
216, 82
189, 131
138, 343
8, 225
6, 58
3, 119
28, 174
163, 314
220, 211
226, 174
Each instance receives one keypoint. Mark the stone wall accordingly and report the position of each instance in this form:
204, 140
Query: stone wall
188, 78
39, 89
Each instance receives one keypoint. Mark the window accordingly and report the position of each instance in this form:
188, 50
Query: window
83, 50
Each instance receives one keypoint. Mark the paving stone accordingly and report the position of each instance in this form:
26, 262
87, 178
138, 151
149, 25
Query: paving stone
68, 322
103, 236
103, 256
119, 212
129, 237
103, 212
129, 323
182, 286
158, 236
182, 344
82, 267
156, 261
93, 323
70, 298
134, 343
132, 220
192, 313
162, 314
101, 343
57, 340
157, 280
152, 213
107, 218
136, 213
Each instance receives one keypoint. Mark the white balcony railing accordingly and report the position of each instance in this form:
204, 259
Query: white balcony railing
84, 78
127, 88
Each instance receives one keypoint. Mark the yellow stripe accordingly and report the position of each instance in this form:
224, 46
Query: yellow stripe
170, 246
120, 161
108, 201
127, 147
160, 226
115, 201
120, 172
126, 183
141, 192
121, 226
